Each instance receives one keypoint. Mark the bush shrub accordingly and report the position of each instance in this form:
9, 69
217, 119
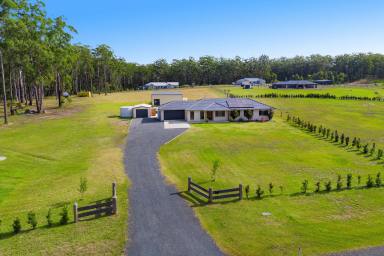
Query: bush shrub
64, 215
247, 191
31, 219
378, 179
259, 192
370, 182
359, 180
379, 154
328, 186
318, 187
16, 226
270, 188
83, 94
304, 186
49, 218
349, 181
339, 183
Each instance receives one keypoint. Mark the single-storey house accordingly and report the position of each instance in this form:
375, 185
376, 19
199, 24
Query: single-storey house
215, 110
294, 84
249, 82
159, 98
324, 81
160, 85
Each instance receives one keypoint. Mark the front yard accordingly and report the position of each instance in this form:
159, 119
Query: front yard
259, 153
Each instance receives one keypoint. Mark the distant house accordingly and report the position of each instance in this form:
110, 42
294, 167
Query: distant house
215, 110
159, 98
248, 82
323, 82
294, 84
160, 85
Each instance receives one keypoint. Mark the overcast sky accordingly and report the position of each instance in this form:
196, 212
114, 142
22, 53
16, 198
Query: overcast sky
145, 30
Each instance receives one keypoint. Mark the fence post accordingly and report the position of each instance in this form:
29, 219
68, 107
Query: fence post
210, 195
240, 191
75, 214
114, 198
189, 184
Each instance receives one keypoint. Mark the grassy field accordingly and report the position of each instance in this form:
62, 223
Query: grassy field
46, 157
259, 153
339, 90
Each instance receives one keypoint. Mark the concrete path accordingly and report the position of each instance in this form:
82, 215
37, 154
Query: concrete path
160, 222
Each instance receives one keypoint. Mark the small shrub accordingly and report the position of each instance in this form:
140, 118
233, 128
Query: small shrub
247, 191
318, 187
354, 142
373, 149
64, 215
347, 141
332, 136
83, 186
365, 149
259, 192
359, 180
378, 179
31, 217
339, 183
370, 182
342, 137
304, 186
49, 218
336, 137
16, 226
358, 144
328, 186
379, 154
270, 188
349, 181
215, 167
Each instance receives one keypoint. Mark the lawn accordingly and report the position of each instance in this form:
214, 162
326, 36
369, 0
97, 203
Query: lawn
260, 153
362, 119
46, 157
337, 90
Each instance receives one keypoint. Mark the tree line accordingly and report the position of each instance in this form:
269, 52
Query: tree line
38, 59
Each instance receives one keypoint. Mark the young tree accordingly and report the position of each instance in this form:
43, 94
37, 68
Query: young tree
373, 149
247, 191
16, 226
318, 187
64, 215
49, 218
339, 183
215, 167
358, 179
304, 186
32, 220
342, 137
370, 182
259, 192
349, 181
83, 186
378, 180
347, 141
365, 149
270, 188
379, 154
328, 186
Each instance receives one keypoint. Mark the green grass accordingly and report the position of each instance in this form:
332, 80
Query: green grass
337, 90
46, 156
362, 119
259, 153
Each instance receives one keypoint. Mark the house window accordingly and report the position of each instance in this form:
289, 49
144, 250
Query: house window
201, 115
263, 112
192, 115
156, 102
220, 113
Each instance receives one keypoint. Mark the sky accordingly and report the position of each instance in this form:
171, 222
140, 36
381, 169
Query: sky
143, 31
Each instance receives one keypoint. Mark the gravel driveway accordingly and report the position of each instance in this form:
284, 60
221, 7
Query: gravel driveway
160, 222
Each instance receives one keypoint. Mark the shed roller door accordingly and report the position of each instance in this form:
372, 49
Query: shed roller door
141, 113
174, 114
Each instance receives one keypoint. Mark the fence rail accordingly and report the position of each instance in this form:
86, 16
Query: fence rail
215, 194
108, 207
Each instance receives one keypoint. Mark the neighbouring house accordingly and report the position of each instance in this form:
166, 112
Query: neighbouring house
324, 82
249, 82
159, 98
294, 84
160, 85
215, 110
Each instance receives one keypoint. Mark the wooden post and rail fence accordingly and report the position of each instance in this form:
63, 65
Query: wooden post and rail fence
107, 207
212, 195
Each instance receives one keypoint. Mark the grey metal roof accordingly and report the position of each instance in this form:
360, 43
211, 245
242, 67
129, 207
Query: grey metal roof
295, 82
219, 104
167, 93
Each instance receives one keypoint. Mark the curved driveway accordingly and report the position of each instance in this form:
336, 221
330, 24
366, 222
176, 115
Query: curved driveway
160, 222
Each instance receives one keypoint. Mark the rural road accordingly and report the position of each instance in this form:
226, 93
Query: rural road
160, 222
372, 251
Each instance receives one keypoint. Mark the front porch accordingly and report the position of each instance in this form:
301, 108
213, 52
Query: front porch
238, 115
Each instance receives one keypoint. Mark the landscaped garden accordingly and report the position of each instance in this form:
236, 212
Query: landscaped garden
302, 202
